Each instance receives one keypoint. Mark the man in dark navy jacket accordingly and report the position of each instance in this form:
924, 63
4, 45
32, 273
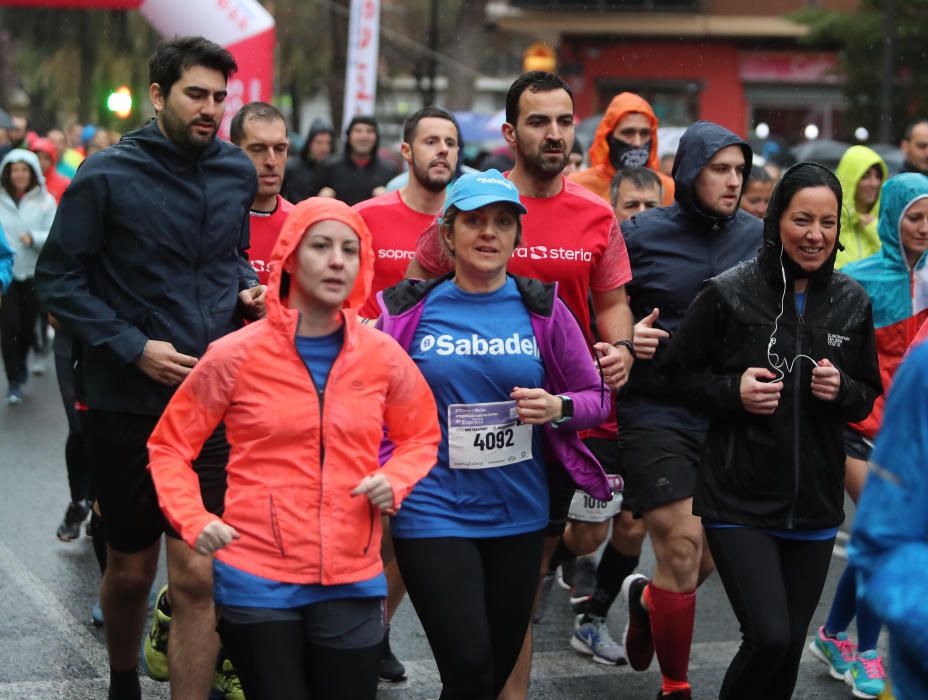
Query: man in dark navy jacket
673, 250
145, 264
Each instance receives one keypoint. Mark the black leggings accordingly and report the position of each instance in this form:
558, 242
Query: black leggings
75, 451
474, 599
18, 315
773, 585
280, 659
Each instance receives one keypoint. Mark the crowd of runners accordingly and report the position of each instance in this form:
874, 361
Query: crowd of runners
472, 385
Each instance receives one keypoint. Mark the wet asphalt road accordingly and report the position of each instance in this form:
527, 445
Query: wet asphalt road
49, 649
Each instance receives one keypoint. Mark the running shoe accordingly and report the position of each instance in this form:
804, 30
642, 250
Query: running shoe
639, 644
567, 573
836, 652
866, 675
155, 653
591, 637
14, 395
226, 684
678, 694
584, 580
38, 368
544, 592
391, 668
74, 517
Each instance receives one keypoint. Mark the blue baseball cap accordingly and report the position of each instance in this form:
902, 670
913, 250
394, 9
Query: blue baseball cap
474, 190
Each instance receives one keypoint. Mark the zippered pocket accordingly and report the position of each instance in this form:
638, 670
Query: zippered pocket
370, 532
275, 526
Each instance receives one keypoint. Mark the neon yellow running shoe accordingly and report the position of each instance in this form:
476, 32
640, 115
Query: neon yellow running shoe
155, 652
226, 684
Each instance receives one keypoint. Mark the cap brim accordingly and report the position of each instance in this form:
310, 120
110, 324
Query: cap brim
482, 200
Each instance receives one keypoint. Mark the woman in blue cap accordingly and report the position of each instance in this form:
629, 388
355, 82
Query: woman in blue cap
509, 368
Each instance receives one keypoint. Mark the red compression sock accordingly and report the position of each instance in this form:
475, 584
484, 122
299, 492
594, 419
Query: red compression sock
672, 617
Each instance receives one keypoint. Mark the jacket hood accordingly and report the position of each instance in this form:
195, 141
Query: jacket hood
48, 148
21, 155
698, 144
305, 214
855, 163
319, 126
771, 254
897, 195
622, 104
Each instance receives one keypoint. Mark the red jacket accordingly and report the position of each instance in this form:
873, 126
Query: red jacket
296, 458
55, 182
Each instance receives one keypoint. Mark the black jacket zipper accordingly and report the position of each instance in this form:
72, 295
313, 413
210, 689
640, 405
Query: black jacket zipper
800, 318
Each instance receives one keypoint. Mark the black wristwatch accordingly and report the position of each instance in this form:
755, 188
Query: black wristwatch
567, 410
628, 345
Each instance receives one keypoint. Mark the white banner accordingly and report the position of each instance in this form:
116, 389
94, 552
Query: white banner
363, 57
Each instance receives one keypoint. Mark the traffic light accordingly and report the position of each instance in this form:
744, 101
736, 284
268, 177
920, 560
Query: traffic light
120, 102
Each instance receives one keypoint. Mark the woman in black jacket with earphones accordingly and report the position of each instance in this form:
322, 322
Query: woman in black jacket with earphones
781, 350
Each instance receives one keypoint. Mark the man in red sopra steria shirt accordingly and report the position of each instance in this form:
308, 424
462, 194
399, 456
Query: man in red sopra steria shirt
259, 129
396, 219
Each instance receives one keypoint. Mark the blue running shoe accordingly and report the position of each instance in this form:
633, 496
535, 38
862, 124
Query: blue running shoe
866, 675
836, 652
591, 637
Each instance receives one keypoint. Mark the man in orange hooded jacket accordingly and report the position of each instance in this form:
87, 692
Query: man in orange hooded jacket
627, 135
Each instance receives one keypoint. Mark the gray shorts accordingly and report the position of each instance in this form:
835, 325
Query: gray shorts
346, 623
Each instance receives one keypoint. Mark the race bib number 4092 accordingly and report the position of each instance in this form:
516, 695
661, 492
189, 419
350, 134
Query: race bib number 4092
487, 435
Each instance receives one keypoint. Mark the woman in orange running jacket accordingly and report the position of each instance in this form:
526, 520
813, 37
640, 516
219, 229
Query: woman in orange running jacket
305, 395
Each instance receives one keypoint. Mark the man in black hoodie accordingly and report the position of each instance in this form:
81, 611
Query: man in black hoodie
301, 179
145, 264
673, 250
358, 173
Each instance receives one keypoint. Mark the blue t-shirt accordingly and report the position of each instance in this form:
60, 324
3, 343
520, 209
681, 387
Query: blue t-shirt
474, 349
800, 303
319, 354
232, 586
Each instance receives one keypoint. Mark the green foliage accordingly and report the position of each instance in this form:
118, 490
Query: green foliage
68, 61
860, 39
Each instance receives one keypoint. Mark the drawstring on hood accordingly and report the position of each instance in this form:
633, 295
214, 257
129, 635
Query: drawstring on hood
772, 255
304, 215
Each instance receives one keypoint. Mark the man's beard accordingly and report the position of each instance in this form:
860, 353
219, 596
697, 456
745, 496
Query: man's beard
182, 134
540, 165
429, 182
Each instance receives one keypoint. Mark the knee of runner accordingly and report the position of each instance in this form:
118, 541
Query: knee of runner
129, 581
682, 553
585, 538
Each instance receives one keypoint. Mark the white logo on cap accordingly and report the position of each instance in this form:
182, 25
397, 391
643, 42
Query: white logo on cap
495, 181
